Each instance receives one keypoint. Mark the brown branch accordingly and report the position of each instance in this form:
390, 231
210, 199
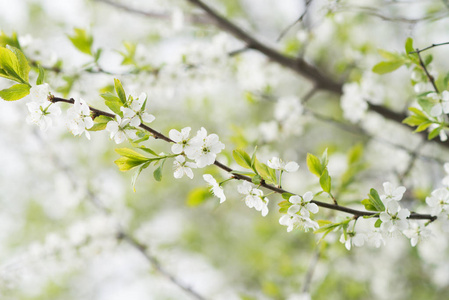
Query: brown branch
298, 65
429, 76
355, 212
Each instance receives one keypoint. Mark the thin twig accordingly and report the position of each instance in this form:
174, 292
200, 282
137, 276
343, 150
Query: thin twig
310, 271
301, 17
355, 212
429, 76
430, 47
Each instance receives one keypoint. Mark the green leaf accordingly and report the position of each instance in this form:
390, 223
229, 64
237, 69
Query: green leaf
41, 76
314, 164
267, 173
197, 196
414, 120
428, 59
324, 160
375, 200
284, 203
9, 40
418, 112
97, 54
242, 158
425, 104
98, 127
409, 45
368, 205
387, 66
286, 196
257, 179
148, 150
113, 102
120, 91
325, 181
253, 159
15, 92
434, 133
388, 55
250, 174
127, 163
158, 172
129, 153
23, 66
137, 173
423, 126
82, 41
9, 66
355, 154
378, 223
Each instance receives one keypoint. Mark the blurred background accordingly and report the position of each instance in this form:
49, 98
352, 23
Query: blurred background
73, 228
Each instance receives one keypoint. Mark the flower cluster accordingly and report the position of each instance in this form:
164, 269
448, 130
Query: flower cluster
41, 111
202, 149
298, 214
254, 197
394, 218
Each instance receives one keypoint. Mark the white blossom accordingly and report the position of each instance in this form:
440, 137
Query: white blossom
352, 102
41, 111
303, 205
182, 167
204, 148
438, 201
375, 238
442, 104
254, 197
277, 164
353, 238
180, 138
394, 219
135, 112
79, 118
216, 189
118, 130
416, 233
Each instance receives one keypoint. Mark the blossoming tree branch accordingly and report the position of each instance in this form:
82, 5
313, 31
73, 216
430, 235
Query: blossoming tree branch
129, 119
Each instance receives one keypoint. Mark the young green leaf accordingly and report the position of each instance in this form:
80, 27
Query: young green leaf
15, 92
314, 164
409, 45
41, 77
375, 200
23, 66
137, 173
387, 66
434, 133
242, 158
368, 205
120, 91
127, 152
127, 163
325, 181
158, 172
82, 41
197, 196
378, 223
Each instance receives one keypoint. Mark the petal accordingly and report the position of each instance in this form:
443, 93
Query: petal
148, 118
291, 167
312, 207
295, 199
307, 196
175, 135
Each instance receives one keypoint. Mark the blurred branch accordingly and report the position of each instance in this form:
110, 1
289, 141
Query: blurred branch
122, 234
298, 65
158, 135
301, 17
191, 18
310, 271
372, 11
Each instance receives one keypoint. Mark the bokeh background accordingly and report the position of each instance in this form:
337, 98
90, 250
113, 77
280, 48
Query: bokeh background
63, 201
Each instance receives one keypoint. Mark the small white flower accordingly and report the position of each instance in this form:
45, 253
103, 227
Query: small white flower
417, 233
442, 104
204, 148
41, 111
216, 189
79, 118
353, 103
392, 193
353, 238
135, 113
303, 205
182, 167
376, 239
294, 220
118, 130
438, 201
180, 138
254, 197
277, 164
393, 221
